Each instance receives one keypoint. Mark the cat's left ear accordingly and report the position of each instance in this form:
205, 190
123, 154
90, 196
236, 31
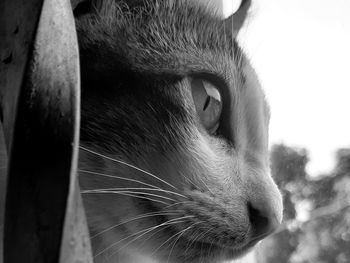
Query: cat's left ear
234, 22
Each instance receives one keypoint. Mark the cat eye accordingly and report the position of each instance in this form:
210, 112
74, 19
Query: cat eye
208, 104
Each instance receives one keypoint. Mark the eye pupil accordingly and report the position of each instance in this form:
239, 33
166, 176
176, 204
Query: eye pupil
206, 104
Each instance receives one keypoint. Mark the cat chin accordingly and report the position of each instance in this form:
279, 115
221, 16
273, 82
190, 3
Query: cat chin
216, 255
202, 252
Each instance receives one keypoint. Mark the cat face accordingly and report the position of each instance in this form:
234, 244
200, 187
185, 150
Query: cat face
174, 136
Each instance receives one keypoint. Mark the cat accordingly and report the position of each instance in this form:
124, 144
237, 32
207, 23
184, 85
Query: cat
173, 162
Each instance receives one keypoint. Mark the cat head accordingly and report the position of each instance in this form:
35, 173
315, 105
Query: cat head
174, 134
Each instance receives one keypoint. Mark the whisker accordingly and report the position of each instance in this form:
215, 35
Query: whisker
204, 233
211, 243
137, 188
182, 232
166, 241
138, 237
177, 203
154, 234
194, 240
186, 178
190, 242
201, 253
170, 212
143, 232
143, 197
129, 165
130, 192
118, 177
206, 186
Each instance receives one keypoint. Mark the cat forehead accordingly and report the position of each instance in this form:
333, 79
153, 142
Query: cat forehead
252, 86
170, 36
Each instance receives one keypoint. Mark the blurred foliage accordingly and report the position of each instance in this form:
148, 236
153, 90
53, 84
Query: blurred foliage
316, 225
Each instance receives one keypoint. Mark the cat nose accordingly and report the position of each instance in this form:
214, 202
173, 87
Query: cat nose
263, 219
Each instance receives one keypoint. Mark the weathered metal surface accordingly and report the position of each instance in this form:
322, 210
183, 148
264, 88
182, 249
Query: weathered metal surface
44, 219
18, 21
76, 246
3, 172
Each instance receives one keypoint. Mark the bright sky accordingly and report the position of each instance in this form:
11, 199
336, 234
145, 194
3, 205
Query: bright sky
301, 51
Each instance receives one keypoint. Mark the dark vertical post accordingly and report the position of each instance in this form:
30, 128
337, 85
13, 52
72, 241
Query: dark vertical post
40, 101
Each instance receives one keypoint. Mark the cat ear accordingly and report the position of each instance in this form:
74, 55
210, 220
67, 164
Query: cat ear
234, 22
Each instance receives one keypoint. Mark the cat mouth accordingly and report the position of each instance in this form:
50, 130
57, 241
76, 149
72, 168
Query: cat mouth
204, 237
206, 252
196, 244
